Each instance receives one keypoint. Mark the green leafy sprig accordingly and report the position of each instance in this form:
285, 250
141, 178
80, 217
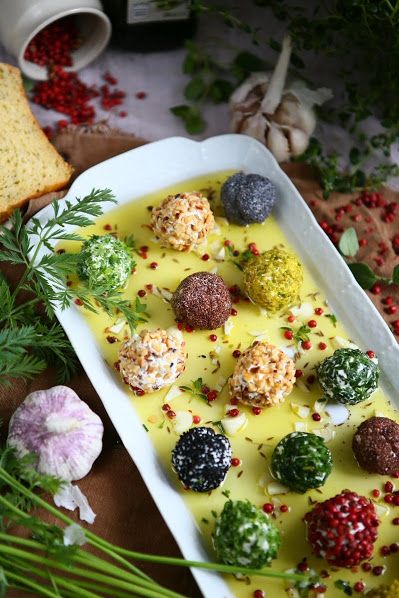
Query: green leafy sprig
30, 340
45, 566
195, 389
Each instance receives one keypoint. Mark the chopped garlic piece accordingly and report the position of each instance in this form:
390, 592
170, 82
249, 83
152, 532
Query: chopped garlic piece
338, 413
379, 413
319, 406
182, 422
301, 410
263, 481
173, 392
327, 434
300, 384
289, 351
74, 535
300, 427
222, 221
381, 510
214, 270
220, 383
262, 311
277, 488
340, 342
232, 425
228, 326
305, 310
257, 332
117, 327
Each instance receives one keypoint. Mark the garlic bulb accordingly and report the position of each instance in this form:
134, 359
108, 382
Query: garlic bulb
64, 433
280, 117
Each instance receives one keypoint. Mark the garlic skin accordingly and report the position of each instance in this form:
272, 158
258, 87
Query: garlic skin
282, 118
61, 429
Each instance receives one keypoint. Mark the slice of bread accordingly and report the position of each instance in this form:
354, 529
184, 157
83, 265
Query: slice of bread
29, 165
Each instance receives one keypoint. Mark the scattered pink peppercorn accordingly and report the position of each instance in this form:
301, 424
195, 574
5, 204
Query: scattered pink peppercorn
291, 318
284, 508
376, 493
303, 566
234, 412
298, 373
312, 323
78, 302
107, 227
213, 338
388, 498
141, 293
307, 345
268, 507
366, 567
235, 462
165, 407
259, 594
394, 547
359, 587
378, 570
388, 486
256, 410
205, 257
196, 419
189, 328
236, 353
234, 401
376, 289
385, 550
316, 417
171, 414
212, 395
319, 311
388, 300
322, 346
288, 334
154, 265
370, 354
180, 325
233, 312
395, 521
392, 309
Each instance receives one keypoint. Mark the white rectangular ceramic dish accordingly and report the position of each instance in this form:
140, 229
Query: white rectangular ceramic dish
161, 164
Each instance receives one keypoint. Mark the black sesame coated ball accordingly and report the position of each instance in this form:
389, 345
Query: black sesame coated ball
248, 198
201, 459
202, 300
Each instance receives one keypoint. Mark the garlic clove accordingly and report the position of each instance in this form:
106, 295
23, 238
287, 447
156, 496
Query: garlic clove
240, 95
277, 143
292, 113
298, 141
255, 126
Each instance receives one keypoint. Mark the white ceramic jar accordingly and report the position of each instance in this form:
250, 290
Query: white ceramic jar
21, 20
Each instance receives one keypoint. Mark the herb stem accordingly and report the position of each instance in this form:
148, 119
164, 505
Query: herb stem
29, 584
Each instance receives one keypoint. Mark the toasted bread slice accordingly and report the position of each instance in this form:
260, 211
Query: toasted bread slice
29, 165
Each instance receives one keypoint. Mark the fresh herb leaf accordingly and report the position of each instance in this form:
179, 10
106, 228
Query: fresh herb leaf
348, 243
333, 319
363, 274
345, 586
395, 275
191, 117
219, 425
195, 389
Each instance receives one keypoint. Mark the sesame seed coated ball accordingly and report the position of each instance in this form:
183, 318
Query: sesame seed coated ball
263, 376
201, 459
105, 262
342, 530
348, 376
152, 359
273, 279
244, 536
182, 221
202, 300
301, 461
248, 198
376, 445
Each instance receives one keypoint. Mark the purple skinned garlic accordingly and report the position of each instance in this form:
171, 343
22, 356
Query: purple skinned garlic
61, 429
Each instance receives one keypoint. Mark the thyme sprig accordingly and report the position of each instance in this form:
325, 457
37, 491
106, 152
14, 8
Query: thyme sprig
30, 340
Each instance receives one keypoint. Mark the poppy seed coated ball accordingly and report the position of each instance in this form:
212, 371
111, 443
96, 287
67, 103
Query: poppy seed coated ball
248, 198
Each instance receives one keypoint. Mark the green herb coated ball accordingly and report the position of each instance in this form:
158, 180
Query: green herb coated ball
244, 536
348, 376
301, 461
105, 262
273, 279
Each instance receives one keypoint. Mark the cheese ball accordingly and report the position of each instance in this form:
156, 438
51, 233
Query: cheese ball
301, 461
376, 445
244, 536
202, 300
182, 221
248, 198
263, 376
342, 530
348, 376
202, 459
152, 359
105, 262
273, 279
391, 591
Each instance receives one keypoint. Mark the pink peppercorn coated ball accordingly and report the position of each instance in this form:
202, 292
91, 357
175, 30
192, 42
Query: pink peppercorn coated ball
342, 530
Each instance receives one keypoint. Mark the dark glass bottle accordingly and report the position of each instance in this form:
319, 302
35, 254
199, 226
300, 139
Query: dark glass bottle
148, 25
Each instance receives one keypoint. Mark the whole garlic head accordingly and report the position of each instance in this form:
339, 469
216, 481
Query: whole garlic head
61, 429
282, 118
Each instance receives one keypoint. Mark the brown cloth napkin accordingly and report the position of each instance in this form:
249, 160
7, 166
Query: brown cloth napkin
126, 513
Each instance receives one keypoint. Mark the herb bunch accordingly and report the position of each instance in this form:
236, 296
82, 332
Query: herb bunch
30, 336
53, 560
